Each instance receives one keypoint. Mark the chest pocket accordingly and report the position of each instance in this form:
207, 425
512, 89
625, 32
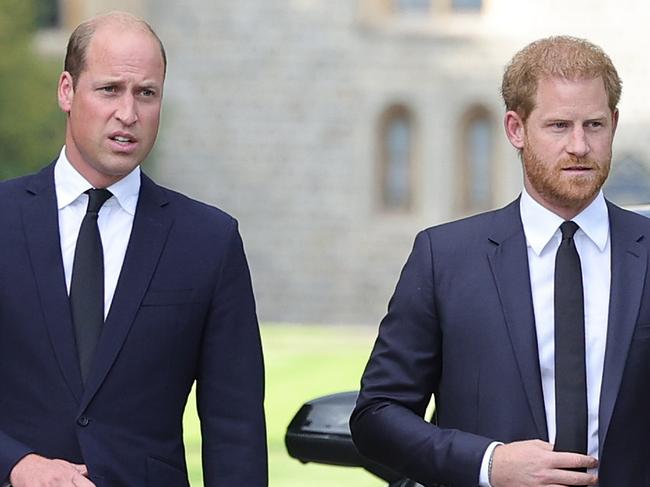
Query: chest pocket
169, 297
642, 332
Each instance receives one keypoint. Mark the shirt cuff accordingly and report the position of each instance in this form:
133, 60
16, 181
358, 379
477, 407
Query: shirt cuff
484, 474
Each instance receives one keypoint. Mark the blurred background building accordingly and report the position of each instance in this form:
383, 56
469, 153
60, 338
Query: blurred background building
334, 130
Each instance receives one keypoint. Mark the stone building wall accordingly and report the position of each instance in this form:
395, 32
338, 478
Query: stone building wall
271, 113
272, 110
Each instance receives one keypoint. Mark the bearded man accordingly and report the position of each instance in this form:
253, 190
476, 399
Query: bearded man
530, 325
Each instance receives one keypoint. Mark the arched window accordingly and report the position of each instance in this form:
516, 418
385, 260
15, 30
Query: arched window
396, 158
412, 6
628, 182
476, 159
466, 5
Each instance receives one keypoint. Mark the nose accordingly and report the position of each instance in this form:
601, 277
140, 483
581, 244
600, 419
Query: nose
127, 112
578, 144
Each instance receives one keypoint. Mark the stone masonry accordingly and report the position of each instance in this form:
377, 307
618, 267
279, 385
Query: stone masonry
272, 109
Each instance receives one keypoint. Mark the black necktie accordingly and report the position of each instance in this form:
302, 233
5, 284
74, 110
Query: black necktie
570, 369
87, 287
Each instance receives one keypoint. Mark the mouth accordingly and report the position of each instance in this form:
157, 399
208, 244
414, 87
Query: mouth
123, 139
578, 168
123, 143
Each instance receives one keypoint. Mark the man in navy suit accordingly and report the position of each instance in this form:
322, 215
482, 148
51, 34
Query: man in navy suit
177, 298
472, 319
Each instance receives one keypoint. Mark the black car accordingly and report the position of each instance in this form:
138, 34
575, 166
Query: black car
320, 433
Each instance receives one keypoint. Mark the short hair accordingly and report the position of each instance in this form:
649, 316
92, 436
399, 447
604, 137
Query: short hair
77, 50
558, 56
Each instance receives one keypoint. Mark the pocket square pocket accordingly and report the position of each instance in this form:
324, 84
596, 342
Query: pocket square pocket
642, 332
168, 297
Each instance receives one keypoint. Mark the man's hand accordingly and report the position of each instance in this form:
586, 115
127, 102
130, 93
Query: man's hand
533, 463
36, 471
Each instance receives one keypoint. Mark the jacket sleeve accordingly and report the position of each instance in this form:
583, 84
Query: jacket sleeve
230, 384
11, 451
404, 370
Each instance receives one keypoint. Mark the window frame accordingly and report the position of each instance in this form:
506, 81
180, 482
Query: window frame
392, 113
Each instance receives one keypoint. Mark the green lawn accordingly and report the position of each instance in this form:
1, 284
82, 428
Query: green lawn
302, 362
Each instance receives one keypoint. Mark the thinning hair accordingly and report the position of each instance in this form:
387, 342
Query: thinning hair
77, 50
558, 56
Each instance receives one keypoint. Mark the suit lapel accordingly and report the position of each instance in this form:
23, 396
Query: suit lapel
150, 229
628, 264
509, 263
41, 224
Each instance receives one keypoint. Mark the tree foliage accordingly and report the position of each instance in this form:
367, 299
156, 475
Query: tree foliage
31, 125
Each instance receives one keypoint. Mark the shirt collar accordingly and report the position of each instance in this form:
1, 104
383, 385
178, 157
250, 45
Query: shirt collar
540, 224
70, 185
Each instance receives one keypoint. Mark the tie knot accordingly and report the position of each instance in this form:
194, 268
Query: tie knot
568, 229
96, 198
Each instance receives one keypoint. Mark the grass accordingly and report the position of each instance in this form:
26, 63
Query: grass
302, 362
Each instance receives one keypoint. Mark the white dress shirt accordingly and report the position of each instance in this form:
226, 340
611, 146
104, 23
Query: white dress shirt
115, 220
541, 228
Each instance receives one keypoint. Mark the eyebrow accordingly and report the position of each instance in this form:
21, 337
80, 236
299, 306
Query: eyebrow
118, 81
559, 118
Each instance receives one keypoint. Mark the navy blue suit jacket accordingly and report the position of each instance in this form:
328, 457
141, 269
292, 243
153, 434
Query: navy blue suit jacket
183, 310
460, 326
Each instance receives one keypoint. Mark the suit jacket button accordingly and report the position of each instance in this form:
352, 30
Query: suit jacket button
83, 421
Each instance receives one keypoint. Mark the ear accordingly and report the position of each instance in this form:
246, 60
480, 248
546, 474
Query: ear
515, 129
65, 92
614, 121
